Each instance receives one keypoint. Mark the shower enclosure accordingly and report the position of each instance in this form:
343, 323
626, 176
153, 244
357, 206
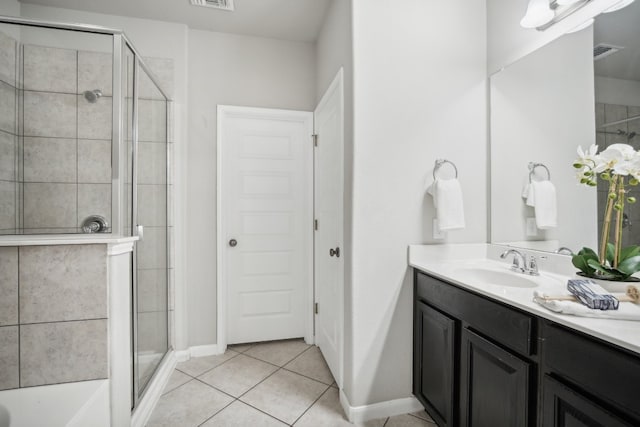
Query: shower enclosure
84, 149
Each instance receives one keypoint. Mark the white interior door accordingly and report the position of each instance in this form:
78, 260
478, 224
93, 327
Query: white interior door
329, 266
266, 208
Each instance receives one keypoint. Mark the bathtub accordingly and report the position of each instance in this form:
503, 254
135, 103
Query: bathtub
79, 404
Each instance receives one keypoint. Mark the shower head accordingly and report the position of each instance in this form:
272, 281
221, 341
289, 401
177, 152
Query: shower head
92, 95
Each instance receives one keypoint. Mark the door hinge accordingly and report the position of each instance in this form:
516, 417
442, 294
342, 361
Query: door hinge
315, 224
315, 308
315, 139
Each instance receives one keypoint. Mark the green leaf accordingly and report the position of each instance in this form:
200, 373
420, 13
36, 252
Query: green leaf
630, 265
588, 251
629, 252
605, 272
611, 250
580, 262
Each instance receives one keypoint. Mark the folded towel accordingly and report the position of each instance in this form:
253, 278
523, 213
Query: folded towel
542, 196
626, 310
447, 198
592, 295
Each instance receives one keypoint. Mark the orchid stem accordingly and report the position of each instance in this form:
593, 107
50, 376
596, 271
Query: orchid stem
606, 226
619, 219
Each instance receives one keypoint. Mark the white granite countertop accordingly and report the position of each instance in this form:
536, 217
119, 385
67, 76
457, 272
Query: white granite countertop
448, 262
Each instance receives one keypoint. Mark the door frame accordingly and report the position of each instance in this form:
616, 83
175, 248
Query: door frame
227, 111
337, 85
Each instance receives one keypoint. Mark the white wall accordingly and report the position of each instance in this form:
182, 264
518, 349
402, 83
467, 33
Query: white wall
508, 41
230, 70
10, 8
420, 94
334, 49
542, 109
617, 91
160, 40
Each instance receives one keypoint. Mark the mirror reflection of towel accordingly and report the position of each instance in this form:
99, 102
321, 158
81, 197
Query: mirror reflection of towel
447, 198
541, 195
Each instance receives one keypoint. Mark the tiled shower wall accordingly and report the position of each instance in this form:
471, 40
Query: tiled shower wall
45, 339
8, 136
606, 113
66, 162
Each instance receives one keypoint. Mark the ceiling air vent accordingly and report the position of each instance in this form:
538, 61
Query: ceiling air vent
603, 50
216, 4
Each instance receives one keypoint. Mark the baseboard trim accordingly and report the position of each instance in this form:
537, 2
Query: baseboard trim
204, 350
142, 413
390, 408
197, 351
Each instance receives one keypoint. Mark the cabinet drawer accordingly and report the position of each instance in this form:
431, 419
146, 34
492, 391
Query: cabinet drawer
504, 325
609, 374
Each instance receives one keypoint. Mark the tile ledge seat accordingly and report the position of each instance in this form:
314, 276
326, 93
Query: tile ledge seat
65, 239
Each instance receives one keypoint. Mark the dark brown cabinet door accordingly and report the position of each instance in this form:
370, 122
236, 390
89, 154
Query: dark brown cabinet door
494, 385
434, 350
563, 407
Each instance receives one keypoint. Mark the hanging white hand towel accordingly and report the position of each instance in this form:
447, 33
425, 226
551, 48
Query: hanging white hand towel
447, 198
542, 196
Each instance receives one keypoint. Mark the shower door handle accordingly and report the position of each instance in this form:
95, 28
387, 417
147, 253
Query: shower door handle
140, 231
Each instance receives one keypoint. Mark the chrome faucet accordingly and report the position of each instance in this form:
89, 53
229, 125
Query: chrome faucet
521, 263
564, 250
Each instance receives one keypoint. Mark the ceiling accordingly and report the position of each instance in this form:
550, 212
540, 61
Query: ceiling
296, 20
620, 29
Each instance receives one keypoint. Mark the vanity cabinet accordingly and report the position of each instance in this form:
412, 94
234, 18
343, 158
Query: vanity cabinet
587, 382
479, 362
494, 386
471, 364
434, 355
565, 407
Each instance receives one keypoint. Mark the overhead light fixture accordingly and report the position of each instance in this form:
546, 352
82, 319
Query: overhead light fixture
538, 13
620, 5
542, 14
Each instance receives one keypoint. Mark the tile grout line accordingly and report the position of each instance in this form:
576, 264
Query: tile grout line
237, 399
422, 419
208, 370
310, 406
76, 141
217, 412
19, 328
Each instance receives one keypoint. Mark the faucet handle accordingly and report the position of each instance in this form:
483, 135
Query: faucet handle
532, 266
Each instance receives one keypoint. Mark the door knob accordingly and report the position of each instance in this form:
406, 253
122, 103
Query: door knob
334, 252
233, 243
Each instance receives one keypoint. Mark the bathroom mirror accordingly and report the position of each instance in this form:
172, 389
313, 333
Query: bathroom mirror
543, 107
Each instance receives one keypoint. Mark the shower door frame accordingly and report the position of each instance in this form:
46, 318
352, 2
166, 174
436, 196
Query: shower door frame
120, 43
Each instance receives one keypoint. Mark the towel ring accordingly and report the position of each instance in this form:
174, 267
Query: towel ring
532, 169
439, 163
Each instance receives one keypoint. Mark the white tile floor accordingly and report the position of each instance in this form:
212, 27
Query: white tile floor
278, 383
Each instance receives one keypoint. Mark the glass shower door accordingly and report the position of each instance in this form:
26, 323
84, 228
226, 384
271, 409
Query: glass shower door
151, 340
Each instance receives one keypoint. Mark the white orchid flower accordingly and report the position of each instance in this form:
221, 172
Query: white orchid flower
590, 154
615, 158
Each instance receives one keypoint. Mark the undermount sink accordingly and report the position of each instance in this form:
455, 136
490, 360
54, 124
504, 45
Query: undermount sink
488, 276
